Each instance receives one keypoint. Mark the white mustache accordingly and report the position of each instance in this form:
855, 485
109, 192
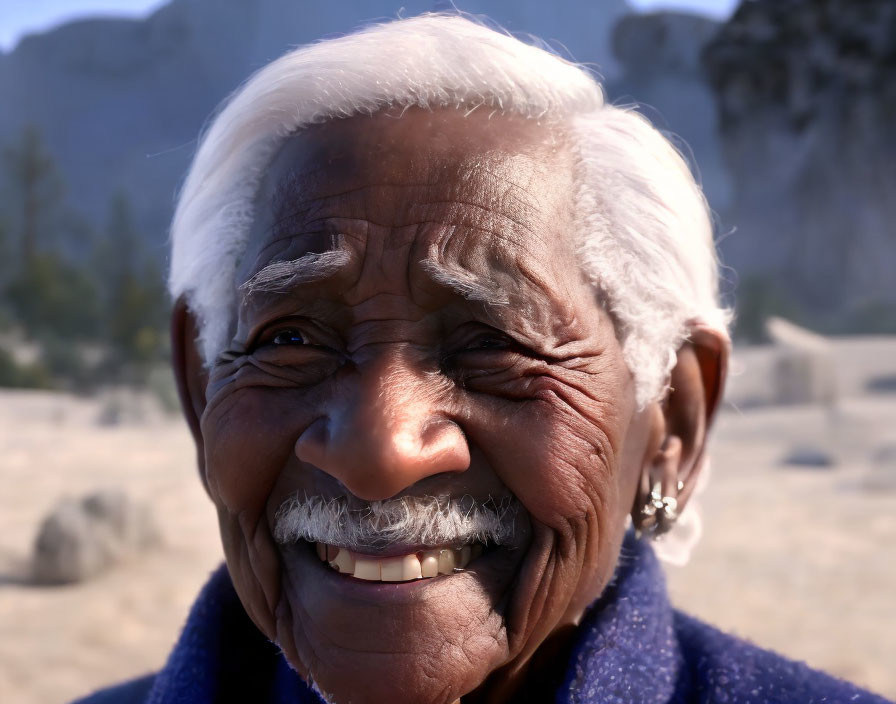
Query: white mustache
410, 520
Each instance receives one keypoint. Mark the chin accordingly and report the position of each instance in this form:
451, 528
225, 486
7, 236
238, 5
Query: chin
419, 640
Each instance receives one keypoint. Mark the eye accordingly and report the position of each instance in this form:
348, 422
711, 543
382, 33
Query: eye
288, 337
476, 343
299, 334
490, 341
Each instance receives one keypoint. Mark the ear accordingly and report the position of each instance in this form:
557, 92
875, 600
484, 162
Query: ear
696, 385
190, 374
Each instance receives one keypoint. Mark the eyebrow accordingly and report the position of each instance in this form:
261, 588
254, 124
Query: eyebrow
464, 283
280, 277
314, 267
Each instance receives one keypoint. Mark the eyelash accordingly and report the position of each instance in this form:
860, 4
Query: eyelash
477, 342
297, 328
287, 331
472, 346
504, 342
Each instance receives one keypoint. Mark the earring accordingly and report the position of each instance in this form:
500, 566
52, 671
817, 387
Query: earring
659, 513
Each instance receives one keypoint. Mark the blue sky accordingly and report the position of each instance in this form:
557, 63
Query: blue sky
19, 17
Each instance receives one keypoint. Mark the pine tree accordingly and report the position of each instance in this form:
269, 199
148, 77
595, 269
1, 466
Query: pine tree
135, 307
35, 177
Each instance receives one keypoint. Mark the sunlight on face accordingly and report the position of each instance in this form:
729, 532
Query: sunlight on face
384, 377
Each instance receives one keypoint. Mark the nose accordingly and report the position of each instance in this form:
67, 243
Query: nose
389, 434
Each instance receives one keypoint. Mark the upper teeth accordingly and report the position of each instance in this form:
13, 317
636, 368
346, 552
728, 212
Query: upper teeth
400, 568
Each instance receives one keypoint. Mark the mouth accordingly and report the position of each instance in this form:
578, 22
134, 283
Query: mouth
408, 567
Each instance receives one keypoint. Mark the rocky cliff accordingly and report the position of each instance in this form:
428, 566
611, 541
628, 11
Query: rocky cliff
806, 96
788, 110
659, 55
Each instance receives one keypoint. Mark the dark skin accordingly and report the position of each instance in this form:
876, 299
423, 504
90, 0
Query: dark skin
383, 380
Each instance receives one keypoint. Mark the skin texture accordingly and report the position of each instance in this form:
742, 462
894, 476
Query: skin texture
382, 381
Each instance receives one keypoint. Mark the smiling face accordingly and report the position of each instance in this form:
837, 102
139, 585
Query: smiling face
439, 341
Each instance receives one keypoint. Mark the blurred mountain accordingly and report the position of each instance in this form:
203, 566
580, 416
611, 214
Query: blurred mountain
787, 110
120, 103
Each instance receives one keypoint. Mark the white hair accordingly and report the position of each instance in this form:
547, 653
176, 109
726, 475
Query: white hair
643, 227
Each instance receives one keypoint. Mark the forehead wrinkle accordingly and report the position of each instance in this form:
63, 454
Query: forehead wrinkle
295, 186
486, 209
351, 198
286, 241
518, 193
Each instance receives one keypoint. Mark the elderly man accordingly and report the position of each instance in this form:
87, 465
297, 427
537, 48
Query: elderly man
446, 324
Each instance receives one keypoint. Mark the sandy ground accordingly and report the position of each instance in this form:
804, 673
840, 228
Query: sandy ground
799, 560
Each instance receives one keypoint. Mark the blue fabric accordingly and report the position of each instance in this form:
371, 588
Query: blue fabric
631, 648
634, 647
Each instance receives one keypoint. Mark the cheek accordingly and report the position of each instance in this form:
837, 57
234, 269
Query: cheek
559, 456
249, 438
557, 459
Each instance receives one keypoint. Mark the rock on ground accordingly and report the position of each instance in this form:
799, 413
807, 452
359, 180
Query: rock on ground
82, 537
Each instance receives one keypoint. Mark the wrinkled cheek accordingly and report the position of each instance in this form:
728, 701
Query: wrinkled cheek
561, 471
254, 566
582, 511
560, 468
247, 447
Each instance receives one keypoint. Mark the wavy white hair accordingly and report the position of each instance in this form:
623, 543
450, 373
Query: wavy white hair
643, 230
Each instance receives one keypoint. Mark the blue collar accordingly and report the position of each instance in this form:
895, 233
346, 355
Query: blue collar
627, 649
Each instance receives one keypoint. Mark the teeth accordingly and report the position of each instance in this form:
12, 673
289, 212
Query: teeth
368, 569
411, 568
403, 568
429, 565
343, 562
391, 569
446, 561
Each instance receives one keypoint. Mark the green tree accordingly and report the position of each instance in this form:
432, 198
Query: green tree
35, 178
6, 271
134, 299
4, 249
757, 299
51, 298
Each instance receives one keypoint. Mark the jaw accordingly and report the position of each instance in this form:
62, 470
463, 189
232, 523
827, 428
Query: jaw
427, 640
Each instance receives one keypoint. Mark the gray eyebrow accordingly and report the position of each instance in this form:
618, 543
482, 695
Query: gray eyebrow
279, 277
465, 283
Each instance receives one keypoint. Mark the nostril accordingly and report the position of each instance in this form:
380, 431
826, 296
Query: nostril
378, 456
444, 446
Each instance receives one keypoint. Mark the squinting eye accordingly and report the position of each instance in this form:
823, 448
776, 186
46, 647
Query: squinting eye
490, 342
288, 337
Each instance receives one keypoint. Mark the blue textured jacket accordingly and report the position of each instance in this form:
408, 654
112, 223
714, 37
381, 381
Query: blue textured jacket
632, 648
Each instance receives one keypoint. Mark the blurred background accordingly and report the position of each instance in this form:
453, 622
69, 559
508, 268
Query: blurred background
785, 109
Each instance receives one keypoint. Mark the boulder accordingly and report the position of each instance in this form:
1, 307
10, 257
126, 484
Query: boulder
809, 457
80, 538
881, 476
804, 370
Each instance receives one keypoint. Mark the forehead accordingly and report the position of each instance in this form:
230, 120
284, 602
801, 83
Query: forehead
492, 176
